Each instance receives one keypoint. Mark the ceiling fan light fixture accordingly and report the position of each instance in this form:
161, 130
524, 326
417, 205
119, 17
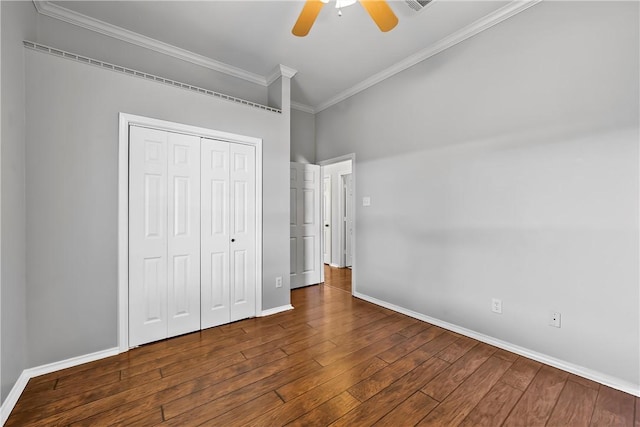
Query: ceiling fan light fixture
378, 10
344, 3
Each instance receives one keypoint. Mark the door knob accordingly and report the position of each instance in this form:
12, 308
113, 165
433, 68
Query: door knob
326, 225
233, 240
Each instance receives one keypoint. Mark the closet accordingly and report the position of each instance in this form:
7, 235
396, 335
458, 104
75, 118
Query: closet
192, 233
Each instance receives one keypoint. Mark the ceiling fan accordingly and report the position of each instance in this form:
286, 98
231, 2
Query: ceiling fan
379, 11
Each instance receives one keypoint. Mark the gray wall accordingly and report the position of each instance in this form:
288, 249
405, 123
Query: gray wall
61, 35
507, 167
303, 137
18, 22
72, 141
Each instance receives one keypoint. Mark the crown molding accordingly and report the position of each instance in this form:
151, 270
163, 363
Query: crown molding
303, 107
58, 12
281, 70
488, 21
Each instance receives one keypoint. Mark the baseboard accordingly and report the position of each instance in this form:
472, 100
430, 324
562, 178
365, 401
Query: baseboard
27, 374
276, 310
13, 396
599, 377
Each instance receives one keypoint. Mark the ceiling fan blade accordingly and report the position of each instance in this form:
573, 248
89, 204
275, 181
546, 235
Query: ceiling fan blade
307, 17
381, 14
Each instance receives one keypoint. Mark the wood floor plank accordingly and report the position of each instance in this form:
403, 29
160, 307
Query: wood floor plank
359, 343
371, 386
313, 397
334, 360
327, 372
410, 345
613, 408
199, 407
537, 402
574, 407
127, 402
584, 381
243, 414
415, 329
409, 412
494, 407
201, 364
147, 419
305, 343
506, 355
458, 349
521, 373
448, 380
461, 402
207, 394
328, 412
386, 400
277, 343
87, 381
45, 405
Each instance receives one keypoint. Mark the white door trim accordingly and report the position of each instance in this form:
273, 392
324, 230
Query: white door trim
327, 162
125, 120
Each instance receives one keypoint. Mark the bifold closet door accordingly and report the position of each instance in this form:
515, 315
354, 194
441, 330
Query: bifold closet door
228, 245
164, 234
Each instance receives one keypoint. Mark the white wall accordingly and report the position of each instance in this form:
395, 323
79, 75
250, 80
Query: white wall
18, 22
335, 171
303, 138
507, 166
71, 185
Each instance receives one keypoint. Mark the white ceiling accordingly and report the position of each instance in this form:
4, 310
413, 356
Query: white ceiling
338, 54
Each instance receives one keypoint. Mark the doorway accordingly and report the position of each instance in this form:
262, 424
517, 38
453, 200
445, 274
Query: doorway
338, 219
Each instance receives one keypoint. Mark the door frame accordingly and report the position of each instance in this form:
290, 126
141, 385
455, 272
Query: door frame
323, 205
126, 120
347, 212
328, 162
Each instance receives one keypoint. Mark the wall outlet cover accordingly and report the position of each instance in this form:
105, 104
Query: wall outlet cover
554, 319
496, 305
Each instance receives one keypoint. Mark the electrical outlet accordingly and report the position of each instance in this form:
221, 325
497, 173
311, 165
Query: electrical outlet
554, 319
278, 282
366, 201
496, 305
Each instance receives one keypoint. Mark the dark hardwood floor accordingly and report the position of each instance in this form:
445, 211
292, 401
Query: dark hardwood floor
333, 360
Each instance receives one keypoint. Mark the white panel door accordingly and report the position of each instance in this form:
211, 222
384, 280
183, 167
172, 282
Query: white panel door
242, 224
326, 218
228, 241
147, 235
183, 234
305, 232
215, 235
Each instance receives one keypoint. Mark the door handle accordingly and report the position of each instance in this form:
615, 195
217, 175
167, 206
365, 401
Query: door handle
326, 225
233, 240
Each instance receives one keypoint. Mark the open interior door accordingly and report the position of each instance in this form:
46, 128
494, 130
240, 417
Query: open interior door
305, 225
